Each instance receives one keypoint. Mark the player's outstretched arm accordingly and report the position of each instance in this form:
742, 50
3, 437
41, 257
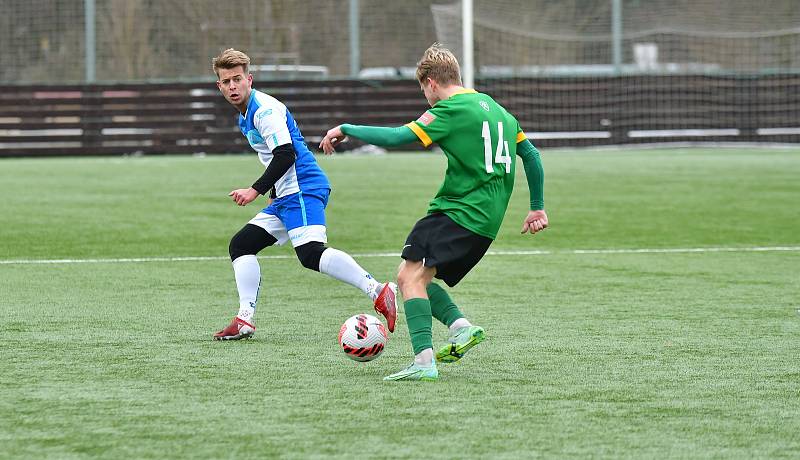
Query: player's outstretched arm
536, 220
375, 135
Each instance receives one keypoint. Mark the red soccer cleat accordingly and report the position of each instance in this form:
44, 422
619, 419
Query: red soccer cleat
238, 329
386, 304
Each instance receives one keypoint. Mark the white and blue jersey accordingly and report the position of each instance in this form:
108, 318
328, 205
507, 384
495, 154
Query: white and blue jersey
298, 211
268, 124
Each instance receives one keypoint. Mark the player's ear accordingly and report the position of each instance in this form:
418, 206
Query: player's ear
431, 83
250, 78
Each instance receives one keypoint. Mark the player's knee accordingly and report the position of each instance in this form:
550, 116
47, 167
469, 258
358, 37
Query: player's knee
239, 247
403, 281
411, 277
251, 239
403, 276
310, 254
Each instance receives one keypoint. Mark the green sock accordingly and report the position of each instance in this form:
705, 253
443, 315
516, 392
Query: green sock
418, 319
442, 306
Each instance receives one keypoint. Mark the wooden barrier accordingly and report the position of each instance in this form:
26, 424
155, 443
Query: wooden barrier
178, 117
168, 118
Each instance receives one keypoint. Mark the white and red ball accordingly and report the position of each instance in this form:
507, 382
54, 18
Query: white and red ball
363, 337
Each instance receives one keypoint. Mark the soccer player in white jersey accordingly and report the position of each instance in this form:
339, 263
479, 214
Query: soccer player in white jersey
300, 193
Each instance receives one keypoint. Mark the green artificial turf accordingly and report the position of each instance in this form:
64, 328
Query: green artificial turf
593, 349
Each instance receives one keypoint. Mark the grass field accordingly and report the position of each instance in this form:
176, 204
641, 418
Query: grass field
658, 320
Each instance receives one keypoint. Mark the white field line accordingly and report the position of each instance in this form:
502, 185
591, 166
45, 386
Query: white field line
394, 254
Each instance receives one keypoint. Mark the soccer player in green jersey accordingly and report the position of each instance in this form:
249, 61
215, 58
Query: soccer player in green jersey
481, 141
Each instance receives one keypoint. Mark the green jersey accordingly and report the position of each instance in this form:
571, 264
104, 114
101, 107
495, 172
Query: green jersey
479, 138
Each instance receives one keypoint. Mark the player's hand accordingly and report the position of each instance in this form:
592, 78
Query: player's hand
242, 196
536, 221
332, 138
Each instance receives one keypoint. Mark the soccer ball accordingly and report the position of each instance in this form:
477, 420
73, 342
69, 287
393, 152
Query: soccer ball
362, 337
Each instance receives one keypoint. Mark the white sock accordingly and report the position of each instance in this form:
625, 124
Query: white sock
248, 281
424, 358
340, 265
458, 324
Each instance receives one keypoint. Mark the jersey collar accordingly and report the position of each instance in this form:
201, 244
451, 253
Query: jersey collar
249, 103
461, 91
464, 91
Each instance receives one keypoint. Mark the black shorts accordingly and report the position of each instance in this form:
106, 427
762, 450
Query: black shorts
439, 242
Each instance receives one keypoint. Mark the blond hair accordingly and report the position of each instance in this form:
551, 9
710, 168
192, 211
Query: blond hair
439, 64
229, 59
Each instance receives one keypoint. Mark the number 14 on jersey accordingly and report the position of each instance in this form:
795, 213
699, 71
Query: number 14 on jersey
501, 154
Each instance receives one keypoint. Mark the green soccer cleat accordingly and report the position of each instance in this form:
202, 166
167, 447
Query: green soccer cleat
416, 372
460, 343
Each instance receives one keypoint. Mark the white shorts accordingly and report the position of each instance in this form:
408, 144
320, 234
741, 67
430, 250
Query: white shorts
299, 217
299, 235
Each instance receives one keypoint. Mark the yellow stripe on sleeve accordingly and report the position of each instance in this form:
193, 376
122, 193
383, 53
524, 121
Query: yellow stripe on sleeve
520, 137
422, 135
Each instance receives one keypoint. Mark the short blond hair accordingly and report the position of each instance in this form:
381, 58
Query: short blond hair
439, 64
229, 59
